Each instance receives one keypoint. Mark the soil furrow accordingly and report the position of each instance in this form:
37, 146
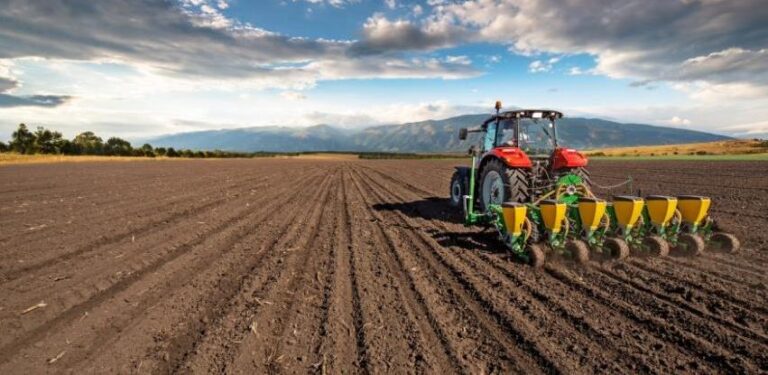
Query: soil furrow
424, 348
279, 319
655, 322
101, 296
522, 342
430, 328
682, 304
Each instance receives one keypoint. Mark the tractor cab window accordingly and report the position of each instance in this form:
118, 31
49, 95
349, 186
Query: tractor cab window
537, 137
506, 135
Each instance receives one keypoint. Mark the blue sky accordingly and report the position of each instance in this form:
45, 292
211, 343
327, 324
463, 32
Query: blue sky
138, 69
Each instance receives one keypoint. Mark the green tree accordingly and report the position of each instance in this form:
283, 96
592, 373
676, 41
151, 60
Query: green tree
23, 140
48, 142
3, 147
147, 149
118, 146
171, 153
160, 151
88, 143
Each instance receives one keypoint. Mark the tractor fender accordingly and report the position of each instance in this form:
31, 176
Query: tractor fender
462, 171
568, 158
512, 157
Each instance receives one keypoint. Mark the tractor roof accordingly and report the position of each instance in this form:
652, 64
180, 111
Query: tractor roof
526, 113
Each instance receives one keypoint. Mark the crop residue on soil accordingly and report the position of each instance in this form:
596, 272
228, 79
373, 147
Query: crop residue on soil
330, 266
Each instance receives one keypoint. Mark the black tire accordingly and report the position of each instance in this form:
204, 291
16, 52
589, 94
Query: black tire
458, 189
725, 242
516, 185
617, 248
579, 251
536, 255
689, 245
656, 245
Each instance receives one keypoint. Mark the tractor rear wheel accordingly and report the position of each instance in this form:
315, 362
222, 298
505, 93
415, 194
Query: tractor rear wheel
458, 189
499, 184
689, 244
583, 174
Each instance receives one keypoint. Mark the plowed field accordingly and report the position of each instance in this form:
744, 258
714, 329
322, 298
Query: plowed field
323, 266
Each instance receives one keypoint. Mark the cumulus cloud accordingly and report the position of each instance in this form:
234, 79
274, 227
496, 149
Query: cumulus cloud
397, 113
381, 35
292, 95
187, 38
333, 3
7, 100
540, 66
678, 121
7, 84
714, 41
373, 67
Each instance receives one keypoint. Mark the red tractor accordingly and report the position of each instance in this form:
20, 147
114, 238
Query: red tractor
518, 159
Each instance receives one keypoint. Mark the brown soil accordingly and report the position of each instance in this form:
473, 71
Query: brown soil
339, 266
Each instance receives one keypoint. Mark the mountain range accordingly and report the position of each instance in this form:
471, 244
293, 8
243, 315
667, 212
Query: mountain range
430, 136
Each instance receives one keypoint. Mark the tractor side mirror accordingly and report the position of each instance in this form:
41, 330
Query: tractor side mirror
463, 134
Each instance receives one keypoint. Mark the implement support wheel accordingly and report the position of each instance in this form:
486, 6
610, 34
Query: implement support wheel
725, 242
458, 189
579, 251
617, 248
690, 244
536, 255
656, 245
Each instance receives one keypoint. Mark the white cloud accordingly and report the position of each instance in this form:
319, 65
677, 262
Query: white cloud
194, 41
711, 41
333, 3
541, 66
575, 71
381, 35
293, 95
678, 121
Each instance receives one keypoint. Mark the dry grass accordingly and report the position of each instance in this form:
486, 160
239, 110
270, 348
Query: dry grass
12, 158
326, 156
734, 147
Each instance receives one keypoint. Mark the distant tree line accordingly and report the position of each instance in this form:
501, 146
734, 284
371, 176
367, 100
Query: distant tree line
44, 141
405, 155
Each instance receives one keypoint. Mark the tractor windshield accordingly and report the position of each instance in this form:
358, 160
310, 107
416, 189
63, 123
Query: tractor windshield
537, 137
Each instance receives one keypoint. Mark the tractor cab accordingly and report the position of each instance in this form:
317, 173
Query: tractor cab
531, 131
